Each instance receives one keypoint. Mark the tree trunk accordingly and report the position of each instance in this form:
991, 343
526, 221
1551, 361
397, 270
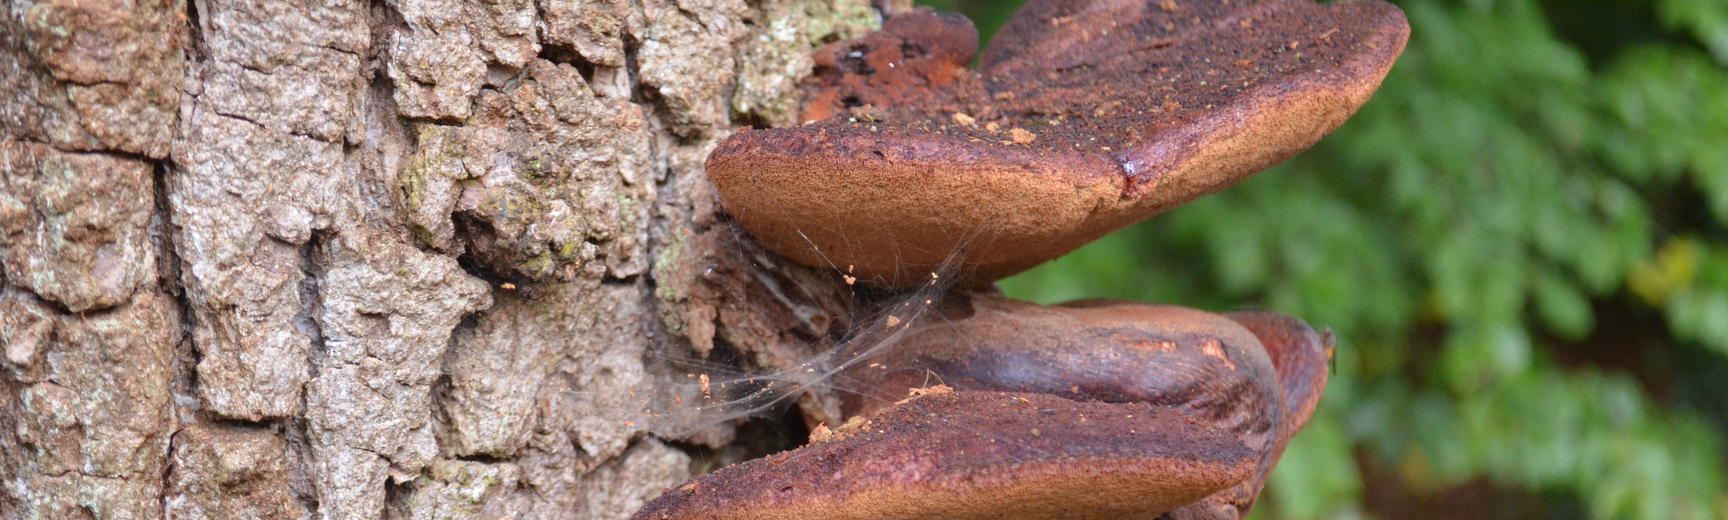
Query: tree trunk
403, 259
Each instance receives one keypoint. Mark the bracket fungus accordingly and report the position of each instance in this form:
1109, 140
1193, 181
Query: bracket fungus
1083, 117
1094, 409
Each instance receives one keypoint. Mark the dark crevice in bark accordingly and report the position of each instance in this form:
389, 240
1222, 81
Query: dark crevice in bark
567, 55
586, 69
162, 234
749, 120
440, 390
168, 468
633, 67
756, 438
384, 20
184, 379
299, 451
739, 118
381, 103
295, 430
441, 386
485, 458
500, 78
474, 235
614, 281
116, 153
194, 32
122, 154
273, 425
311, 300
383, 118
472, 264
396, 496
61, 308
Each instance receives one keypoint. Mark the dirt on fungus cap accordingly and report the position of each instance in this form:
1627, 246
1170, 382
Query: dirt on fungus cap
1084, 117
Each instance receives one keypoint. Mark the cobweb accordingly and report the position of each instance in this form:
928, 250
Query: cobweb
719, 390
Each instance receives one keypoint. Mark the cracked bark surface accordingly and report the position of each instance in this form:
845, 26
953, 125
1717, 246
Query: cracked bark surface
382, 259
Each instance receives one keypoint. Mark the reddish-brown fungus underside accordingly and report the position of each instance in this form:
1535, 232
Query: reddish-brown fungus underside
1093, 350
1140, 410
1254, 374
1085, 116
979, 455
1300, 358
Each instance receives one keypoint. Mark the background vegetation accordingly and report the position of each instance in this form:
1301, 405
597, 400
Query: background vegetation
1522, 245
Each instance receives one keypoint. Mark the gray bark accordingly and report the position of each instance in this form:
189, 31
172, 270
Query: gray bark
399, 259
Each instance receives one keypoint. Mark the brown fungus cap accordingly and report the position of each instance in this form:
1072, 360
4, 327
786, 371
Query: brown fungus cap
978, 455
1084, 116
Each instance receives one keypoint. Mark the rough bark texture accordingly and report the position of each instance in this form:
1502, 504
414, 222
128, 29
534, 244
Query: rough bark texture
386, 259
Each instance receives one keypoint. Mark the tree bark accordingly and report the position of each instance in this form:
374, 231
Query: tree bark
402, 259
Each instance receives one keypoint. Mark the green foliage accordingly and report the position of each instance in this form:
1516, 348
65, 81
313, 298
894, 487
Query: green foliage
1514, 242
1706, 20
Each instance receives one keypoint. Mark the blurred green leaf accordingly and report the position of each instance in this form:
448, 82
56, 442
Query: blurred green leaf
1707, 20
1563, 308
1319, 481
